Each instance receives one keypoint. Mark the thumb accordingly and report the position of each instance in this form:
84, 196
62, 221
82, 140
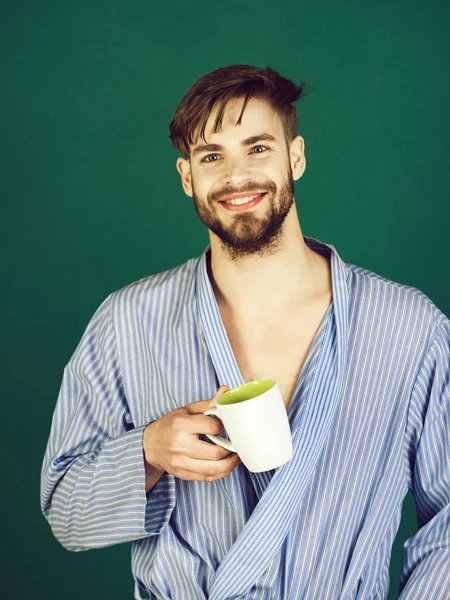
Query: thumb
220, 392
202, 405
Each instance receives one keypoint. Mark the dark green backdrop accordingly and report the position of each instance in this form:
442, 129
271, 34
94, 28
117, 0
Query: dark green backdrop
91, 199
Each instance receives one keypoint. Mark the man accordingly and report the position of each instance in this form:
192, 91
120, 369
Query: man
363, 364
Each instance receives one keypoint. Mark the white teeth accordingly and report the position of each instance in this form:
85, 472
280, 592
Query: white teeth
242, 200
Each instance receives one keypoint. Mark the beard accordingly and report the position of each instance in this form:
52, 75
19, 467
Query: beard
248, 234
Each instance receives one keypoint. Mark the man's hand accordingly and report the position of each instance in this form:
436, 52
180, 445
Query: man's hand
172, 444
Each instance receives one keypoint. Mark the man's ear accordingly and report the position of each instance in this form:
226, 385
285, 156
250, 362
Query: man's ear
184, 169
298, 159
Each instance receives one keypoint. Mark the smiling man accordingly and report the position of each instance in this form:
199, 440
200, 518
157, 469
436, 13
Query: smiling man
363, 364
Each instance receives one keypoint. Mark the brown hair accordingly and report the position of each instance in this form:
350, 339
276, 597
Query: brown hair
234, 81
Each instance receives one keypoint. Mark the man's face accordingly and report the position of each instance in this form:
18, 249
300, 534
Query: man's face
215, 173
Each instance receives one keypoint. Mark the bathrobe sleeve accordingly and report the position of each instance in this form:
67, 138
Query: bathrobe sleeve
426, 558
93, 473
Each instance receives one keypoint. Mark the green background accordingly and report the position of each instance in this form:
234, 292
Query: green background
91, 199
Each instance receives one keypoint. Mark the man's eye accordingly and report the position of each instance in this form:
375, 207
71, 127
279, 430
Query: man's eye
260, 146
205, 159
207, 156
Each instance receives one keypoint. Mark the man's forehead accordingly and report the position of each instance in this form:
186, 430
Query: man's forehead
258, 116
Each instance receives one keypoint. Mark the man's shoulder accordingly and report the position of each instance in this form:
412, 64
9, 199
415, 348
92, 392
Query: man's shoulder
168, 284
371, 284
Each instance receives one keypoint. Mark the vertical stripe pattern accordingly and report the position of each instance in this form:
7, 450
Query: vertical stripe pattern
370, 419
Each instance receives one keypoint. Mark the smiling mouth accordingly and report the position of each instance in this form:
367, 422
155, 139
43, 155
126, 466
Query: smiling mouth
243, 200
243, 204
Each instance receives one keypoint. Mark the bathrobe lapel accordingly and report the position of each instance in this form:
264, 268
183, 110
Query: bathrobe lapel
268, 525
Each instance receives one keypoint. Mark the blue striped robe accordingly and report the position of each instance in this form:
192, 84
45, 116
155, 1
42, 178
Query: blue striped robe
370, 419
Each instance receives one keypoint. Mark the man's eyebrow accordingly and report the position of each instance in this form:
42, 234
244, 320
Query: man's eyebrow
264, 137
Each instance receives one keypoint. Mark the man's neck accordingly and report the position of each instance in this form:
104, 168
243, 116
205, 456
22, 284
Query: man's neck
284, 280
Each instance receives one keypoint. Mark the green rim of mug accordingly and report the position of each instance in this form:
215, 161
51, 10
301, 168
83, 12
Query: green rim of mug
246, 391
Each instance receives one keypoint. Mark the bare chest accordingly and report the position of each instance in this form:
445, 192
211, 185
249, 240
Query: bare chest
275, 349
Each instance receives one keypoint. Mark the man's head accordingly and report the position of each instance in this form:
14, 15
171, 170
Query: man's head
220, 159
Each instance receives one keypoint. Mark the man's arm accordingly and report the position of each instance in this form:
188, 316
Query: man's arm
93, 479
426, 560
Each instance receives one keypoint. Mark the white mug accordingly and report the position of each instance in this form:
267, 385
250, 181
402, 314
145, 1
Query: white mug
255, 417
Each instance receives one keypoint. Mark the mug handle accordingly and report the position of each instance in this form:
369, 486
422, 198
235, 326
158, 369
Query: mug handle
218, 439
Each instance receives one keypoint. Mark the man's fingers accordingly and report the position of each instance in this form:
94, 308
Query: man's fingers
201, 424
205, 451
208, 470
198, 407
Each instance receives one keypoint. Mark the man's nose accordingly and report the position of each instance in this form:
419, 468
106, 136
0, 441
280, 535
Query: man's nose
237, 171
